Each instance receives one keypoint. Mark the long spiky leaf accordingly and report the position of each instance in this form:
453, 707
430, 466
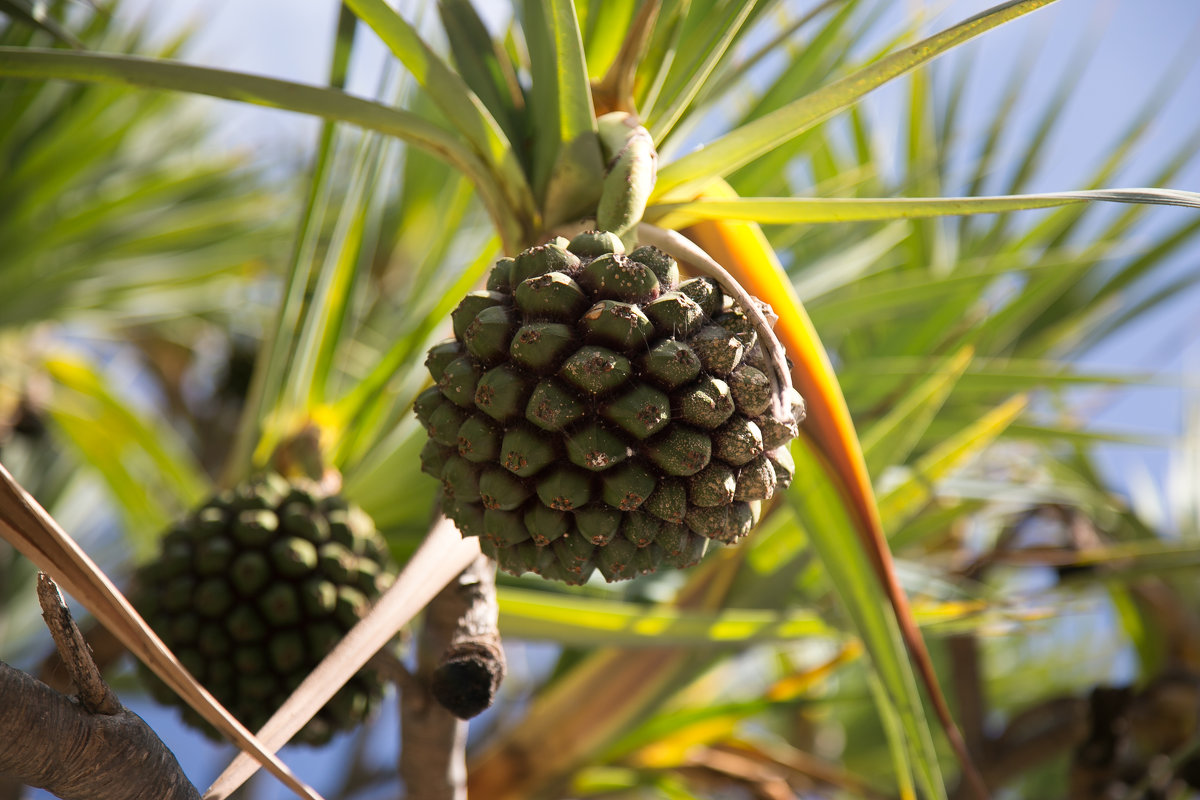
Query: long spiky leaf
683, 179
461, 106
805, 210
567, 160
317, 101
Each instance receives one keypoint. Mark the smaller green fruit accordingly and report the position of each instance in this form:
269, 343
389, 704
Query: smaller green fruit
552, 406
597, 524
469, 308
670, 364
590, 244
596, 370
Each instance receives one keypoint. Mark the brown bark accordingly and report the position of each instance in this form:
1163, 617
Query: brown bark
90, 748
969, 694
106, 650
472, 665
52, 742
459, 658
94, 693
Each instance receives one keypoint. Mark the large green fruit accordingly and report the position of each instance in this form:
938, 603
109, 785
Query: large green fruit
257, 586
594, 412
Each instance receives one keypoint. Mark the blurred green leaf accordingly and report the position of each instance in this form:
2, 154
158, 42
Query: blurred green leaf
34, 12
818, 505
148, 469
485, 68
317, 101
567, 162
568, 620
797, 210
461, 107
949, 454
893, 436
684, 178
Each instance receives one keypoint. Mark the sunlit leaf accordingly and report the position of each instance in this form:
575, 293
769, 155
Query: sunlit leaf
570, 620
316, 101
457, 102
797, 210
133, 453
831, 530
687, 176
567, 160
35, 13
951, 453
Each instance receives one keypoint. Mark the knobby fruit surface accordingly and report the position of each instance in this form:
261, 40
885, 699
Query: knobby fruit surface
255, 587
595, 412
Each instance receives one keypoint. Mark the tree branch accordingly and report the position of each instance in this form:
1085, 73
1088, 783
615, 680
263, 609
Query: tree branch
94, 693
91, 749
460, 666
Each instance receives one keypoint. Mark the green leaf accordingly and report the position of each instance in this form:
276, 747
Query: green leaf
951, 453
700, 67
325, 308
891, 438
893, 729
829, 50
702, 723
991, 378
936, 521
818, 504
916, 295
461, 107
779, 43
148, 468
270, 367
1142, 629
605, 27
581, 621
364, 402
567, 161
485, 67
34, 13
314, 100
807, 210
598, 699
527, 614
683, 179
660, 53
